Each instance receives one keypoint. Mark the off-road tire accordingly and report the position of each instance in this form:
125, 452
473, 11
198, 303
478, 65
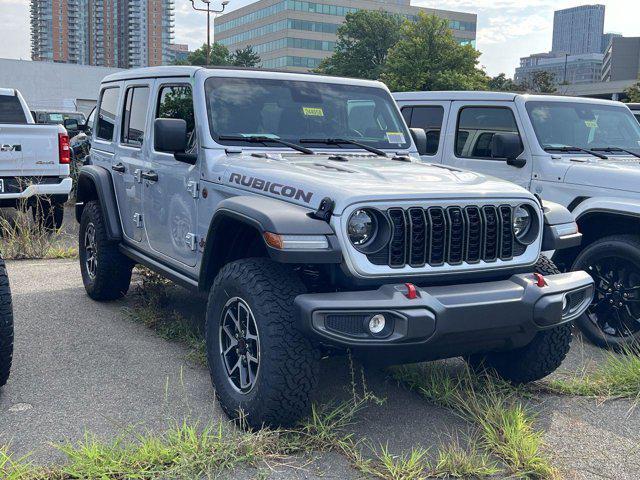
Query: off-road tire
113, 271
289, 361
534, 361
48, 215
627, 247
6, 325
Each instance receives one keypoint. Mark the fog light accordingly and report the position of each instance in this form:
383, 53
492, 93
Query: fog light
377, 324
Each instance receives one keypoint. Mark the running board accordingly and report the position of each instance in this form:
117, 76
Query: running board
158, 267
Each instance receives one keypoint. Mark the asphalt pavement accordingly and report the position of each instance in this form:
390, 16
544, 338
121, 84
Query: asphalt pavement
85, 366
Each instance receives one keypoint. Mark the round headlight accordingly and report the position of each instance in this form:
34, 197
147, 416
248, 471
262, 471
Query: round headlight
362, 227
521, 222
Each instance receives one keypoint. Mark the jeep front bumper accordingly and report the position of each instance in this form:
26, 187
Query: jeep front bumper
446, 321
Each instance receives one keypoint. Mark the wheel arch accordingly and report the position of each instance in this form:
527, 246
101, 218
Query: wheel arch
95, 183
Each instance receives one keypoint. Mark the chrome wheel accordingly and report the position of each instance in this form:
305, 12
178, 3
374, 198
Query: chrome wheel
91, 251
239, 345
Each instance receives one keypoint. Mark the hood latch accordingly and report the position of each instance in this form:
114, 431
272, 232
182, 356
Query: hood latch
325, 210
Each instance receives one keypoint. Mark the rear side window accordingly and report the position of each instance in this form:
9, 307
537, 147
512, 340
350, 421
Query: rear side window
134, 116
11, 110
176, 101
480, 124
106, 123
428, 118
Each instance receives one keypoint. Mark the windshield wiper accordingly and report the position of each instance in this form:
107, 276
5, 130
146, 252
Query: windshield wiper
344, 141
567, 148
616, 149
265, 139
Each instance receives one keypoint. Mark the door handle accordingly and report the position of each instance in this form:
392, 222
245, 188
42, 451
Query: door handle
150, 175
118, 167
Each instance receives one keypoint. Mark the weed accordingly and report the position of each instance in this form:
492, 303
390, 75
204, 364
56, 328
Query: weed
455, 461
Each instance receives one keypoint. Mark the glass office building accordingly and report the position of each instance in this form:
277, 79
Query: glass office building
297, 35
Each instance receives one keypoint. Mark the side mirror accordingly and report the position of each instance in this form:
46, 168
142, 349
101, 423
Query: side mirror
170, 135
71, 124
420, 139
508, 146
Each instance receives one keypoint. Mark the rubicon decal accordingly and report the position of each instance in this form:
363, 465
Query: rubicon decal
271, 187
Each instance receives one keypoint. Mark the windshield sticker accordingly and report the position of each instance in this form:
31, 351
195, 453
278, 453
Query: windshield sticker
312, 112
395, 137
591, 123
55, 117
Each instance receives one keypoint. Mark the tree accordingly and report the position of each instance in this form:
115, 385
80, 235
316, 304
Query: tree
501, 83
219, 55
363, 43
633, 93
245, 57
541, 81
428, 57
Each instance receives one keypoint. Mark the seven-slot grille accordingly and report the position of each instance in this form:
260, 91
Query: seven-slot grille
448, 235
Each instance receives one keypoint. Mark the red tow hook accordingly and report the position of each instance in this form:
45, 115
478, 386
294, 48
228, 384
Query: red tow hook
540, 281
412, 291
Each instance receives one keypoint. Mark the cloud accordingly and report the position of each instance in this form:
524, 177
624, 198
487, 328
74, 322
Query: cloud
501, 29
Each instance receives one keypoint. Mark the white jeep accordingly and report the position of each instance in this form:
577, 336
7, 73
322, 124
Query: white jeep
582, 153
298, 202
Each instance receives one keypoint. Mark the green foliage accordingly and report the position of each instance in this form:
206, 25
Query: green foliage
428, 57
363, 43
633, 92
245, 57
501, 83
540, 82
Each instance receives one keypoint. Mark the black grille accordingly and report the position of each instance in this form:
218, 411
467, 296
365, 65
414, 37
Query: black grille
452, 235
347, 324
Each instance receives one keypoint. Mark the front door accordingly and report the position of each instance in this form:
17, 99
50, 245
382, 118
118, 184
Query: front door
470, 129
170, 187
431, 117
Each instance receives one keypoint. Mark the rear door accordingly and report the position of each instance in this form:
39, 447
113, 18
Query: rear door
430, 116
470, 129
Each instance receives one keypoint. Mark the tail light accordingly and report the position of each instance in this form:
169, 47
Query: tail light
64, 148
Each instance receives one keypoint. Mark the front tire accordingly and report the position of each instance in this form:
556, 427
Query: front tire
542, 356
106, 273
6, 325
262, 367
613, 319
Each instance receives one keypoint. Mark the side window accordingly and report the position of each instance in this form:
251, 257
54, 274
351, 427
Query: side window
429, 118
11, 110
134, 116
107, 114
176, 101
481, 124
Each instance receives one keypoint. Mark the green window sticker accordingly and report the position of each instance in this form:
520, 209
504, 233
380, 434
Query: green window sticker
395, 137
591, 123
313, 112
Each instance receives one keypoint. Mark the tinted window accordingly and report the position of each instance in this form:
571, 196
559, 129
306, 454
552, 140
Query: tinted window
134, 117
107, 114
430, 120
481, 124
11, 110
176, 101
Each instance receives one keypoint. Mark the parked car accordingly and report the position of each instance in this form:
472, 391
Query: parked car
635, 109
54, 117
582, 153
6, 325
299, 204
34, 162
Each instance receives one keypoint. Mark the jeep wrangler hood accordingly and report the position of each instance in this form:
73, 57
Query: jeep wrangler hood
616, 173
307, 179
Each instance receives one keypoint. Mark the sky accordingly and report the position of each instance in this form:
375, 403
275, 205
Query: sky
507, 29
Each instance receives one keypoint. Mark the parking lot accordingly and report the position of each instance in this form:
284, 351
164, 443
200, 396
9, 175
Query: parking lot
84, 366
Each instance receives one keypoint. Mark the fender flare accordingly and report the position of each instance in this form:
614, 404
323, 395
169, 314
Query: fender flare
560, 230
95, 182
614, 205
273, 216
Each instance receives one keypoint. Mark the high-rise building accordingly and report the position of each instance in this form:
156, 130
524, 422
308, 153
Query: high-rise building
578, 30
606, 40
297, 35
564, 69
109, 33
622, 59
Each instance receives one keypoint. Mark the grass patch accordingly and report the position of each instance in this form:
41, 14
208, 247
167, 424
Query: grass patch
505, 428
617, 377
152, 310
22, 239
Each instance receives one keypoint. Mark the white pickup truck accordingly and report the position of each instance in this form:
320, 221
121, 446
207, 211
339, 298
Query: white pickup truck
34, 162
579, 152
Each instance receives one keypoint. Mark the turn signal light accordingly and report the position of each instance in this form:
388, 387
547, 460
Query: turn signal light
64, 149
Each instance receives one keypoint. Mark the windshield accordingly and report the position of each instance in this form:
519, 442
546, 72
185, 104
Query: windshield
58, 118
295, 110
584, 125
